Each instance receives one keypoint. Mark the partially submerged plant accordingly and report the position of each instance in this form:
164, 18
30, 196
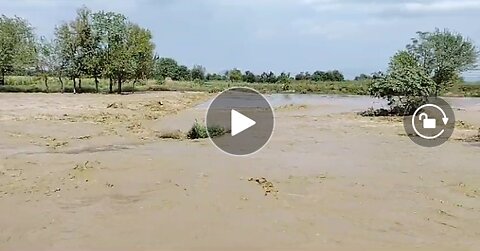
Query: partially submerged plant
178, 135
406, 86
199, 131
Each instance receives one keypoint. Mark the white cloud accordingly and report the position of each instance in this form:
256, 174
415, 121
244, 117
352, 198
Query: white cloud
442, 6
52, 4
340, 19
395, 7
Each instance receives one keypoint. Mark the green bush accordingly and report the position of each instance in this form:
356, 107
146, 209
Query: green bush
199, 131
406, 86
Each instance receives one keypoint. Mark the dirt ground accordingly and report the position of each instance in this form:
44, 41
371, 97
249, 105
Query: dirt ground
100, 172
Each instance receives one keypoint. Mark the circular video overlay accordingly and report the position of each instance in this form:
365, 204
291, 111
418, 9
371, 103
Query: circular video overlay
432, 124
247, 117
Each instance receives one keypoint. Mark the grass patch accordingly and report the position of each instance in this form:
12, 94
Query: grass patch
178, 135
381, 112
199, 131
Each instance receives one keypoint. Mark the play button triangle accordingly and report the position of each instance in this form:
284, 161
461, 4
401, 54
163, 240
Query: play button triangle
240, 122
246, 115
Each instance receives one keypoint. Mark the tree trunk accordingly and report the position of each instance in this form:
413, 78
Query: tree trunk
74, 85
437, 86
80, 85
2, 79
111, 85
96, 84
62, 86
45, 79
134, 82
119, 89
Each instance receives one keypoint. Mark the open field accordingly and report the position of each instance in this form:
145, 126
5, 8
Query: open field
95, 172
35, 84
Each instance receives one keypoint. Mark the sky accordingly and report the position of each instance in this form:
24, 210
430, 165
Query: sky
353, 36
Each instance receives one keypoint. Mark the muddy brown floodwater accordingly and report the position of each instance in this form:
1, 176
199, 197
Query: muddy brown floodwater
96, 172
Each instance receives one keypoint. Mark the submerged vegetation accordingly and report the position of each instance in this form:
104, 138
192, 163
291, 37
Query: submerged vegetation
200, 131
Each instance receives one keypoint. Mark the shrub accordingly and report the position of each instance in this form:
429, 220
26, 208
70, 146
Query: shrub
199, 131
406, 85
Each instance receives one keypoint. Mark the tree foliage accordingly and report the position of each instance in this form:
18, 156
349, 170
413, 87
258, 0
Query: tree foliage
432, 62
235, 75
444, 55
215, 77
198, 72
363, 77
405, 85
17, 46
48, 60
303, 76
140, 48
269, 77
104, 44
166, 68
321, 76
334, 76
169, 68
249, 77
284, 78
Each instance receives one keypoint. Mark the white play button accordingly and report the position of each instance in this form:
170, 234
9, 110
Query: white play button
246, 115
240, 122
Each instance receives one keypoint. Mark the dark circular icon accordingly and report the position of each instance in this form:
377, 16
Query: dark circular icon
246, 116
431, 124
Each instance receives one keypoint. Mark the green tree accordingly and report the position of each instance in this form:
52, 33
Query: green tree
214, 77
249, 77
235, 75
66, 50
86, 44
112, 29
198, 72
284, 78
318, 76
269, 77
321, 76
308, 76
335, 76
166, 68
17, 46
184, 73
300, 76
77, 46
101, 25
97, 65
141, 50
363, 77
406, 86
48, 60
444, 55
119, 63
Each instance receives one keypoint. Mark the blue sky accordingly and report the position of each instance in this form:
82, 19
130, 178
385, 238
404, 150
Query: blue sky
280, 35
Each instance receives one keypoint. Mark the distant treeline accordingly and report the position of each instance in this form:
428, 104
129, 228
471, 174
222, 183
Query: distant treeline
168, 68
106, 45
